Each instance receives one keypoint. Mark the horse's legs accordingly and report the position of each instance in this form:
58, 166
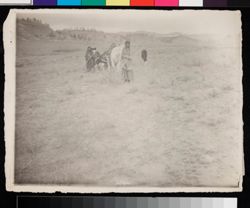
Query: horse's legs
112, 64
108, 64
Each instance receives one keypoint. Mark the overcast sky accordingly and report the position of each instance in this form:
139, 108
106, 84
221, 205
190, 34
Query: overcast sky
188, 21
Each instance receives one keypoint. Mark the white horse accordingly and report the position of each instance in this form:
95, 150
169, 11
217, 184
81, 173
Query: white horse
115, 57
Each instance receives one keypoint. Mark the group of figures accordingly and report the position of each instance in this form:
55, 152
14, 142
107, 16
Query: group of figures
95, 60
116, 58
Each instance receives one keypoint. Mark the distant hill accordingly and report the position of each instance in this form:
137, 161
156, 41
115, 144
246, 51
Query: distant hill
178, 39
29, 29
32, 29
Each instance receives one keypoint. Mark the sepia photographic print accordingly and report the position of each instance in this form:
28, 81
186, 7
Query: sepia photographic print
123, 101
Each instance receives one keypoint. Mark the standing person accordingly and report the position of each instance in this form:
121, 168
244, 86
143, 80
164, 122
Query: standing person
126, 60
88, 58
91, 57
144, 55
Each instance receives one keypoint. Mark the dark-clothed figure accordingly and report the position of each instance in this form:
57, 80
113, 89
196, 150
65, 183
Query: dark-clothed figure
144, 55
90, 58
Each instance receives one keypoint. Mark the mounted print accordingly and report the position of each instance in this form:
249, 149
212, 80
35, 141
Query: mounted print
100, 101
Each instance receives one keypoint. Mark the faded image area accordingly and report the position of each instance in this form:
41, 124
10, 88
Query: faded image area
112, 98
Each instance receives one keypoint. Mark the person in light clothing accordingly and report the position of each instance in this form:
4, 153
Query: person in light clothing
126, 60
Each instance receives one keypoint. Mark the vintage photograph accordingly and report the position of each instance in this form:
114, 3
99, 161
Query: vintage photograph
123, 100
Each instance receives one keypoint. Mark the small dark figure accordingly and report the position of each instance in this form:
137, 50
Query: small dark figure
144, 55
91, 57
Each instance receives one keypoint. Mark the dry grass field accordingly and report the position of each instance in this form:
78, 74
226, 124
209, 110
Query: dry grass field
169, 127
